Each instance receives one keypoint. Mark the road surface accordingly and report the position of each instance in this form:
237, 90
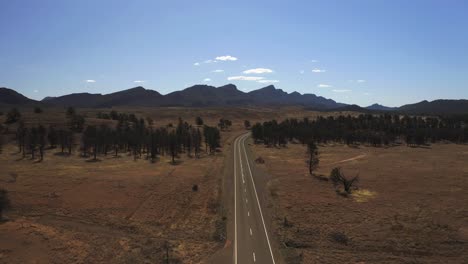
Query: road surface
252, 243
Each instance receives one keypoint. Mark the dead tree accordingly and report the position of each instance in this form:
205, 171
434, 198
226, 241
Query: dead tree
338, 178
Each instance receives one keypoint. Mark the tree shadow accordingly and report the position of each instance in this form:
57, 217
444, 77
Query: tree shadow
93, 160
176, 162
62, 154
321, 177
421, 146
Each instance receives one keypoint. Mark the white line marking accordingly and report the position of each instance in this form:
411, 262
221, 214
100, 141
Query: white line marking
258, 203
253, 254
248, 213
246, 200
250, 231
235, 205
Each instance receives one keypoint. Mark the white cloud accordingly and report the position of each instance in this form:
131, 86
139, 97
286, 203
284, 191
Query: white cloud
301, 71
226, 58
341, 90
36, 91
258, 71
208, 61
324, 85
196, 64
316, 70
314, 61
139, 81
207, 80
90, 81
218, 71
358, 81
366, 94
244, 78
267, 81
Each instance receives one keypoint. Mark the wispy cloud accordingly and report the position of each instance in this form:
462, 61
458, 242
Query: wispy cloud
139, 81
196, 64
341, 91
90, 81
322, 85
267, 81
207, 80
36, 91
301, 71
218, 71
316, 70
245, 78
361, 81
226, 58
314, 61
258, 71
366, 94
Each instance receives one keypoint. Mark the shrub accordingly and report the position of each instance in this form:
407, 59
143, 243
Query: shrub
339, 237
259, 160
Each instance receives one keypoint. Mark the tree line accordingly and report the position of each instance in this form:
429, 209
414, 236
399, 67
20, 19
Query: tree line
132, 135
375, 130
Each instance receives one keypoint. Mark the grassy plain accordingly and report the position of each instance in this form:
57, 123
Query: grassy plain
411, 206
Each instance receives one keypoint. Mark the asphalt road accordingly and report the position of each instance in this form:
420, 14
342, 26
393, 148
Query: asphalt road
251, 238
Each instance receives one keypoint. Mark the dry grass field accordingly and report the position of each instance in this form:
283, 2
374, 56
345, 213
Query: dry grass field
411, 206
118, 210
67, 209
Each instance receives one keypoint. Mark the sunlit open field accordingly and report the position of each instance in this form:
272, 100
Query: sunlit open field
410, 206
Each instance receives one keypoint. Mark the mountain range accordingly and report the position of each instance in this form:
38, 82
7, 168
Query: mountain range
227, 95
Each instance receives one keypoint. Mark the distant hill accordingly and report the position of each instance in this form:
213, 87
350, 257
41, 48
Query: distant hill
227, 95
196, 96
137, 96
442, 106
9, 96
379, 107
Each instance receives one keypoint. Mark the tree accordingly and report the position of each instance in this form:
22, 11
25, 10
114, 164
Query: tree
212, 137
338, 178
224, 124
1, 143
4, 202
38, 110
52, 136
173, 145
13, 116
246, 124
76, 123
199, 121
70, 112
41, 140
90, 140
313, 156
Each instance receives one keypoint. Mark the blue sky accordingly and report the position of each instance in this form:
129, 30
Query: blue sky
391, 52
